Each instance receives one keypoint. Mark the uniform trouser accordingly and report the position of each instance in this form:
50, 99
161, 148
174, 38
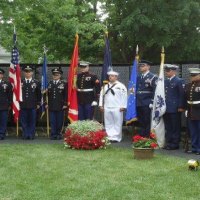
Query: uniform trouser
173, 129
56, 122
144, 118
113, 120
194, 129
85, 111
3, 122
28, 122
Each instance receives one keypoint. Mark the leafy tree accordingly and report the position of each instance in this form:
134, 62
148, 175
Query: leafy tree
152, 24
53, 23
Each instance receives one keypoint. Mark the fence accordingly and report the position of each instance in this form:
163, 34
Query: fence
123, 69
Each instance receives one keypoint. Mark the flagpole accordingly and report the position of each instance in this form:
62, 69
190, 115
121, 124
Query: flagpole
17, 127
47, 111
47, 99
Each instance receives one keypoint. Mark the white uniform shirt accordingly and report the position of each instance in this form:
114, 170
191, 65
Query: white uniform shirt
118, 100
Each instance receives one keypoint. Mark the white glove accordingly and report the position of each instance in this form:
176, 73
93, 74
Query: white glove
94, 103
151, 106
186, 113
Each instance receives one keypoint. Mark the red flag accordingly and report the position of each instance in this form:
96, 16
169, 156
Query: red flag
15, 80
72, 90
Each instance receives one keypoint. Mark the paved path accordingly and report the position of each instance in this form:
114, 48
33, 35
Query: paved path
125, 143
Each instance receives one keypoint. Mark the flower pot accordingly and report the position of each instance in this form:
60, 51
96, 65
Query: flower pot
143, 153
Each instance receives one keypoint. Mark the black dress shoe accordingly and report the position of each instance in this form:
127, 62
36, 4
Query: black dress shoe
197, 153
113, 141
59, 137
190, 152
1, 138
53, 138
172, 148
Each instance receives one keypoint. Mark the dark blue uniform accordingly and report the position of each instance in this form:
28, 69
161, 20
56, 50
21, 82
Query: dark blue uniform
5, 103
174, 96
88, 87
193, 107
57, 98
144, 97
31, 95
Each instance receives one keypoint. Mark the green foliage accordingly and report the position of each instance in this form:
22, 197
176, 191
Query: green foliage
85, 126
53, 23
150, 24
153, 24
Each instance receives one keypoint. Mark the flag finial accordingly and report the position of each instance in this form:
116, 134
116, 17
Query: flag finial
163, 49
137, 49
45, 49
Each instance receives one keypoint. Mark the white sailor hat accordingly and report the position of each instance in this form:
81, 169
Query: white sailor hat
194, 71
113, 73
170, 67
84, 64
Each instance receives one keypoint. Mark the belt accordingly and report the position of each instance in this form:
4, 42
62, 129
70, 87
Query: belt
85, 90
144, 92
193, 102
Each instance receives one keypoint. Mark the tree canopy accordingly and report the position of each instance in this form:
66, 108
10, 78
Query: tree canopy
150, 24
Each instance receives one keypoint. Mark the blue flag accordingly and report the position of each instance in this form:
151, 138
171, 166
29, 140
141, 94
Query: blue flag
131, 114
44, 84
107, 65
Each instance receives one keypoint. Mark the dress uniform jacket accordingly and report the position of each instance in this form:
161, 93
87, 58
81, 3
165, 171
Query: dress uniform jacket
88, 87
193, 100
112, 98
5, 95
174, 94
145, 89
57, 95
31, 94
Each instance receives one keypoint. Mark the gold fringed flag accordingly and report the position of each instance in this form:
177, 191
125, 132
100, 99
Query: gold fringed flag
72, 90
159, 106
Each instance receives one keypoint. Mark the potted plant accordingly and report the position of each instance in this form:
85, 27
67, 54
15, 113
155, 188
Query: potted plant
144, 147
87, 135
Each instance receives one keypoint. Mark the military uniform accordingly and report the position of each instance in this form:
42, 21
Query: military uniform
5, 103
113, 97
57, 98
146, 84
193, 108
88, 89
174, 97
31, 96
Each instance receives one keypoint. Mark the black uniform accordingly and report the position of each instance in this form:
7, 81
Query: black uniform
193, 107
57, 98
5, 103
31, 96
88, 87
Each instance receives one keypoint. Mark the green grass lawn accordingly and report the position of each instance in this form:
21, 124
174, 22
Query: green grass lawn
49, 172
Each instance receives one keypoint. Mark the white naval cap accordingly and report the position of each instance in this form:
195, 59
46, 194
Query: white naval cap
194, 71
84, 64
171, 67
113, 73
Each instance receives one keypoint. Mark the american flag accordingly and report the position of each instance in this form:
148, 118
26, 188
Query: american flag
15, 79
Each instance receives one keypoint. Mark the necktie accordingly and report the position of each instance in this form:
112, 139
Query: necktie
27, 81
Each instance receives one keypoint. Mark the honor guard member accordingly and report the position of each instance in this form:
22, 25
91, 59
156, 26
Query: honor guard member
31, 96
193, 108
5, 103
88, 87
174, 97
57, 103
146, 84
113, 102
